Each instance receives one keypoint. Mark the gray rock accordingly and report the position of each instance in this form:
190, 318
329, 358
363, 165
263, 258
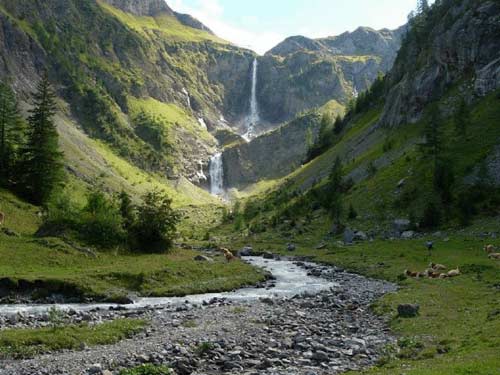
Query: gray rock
407, 234
96, 369
401, 225
203, 258
246, 251
291, 247
320, 356
360, 236
268, 255
408, 310
348, 236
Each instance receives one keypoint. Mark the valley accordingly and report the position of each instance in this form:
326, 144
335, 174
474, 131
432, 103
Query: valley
174, 203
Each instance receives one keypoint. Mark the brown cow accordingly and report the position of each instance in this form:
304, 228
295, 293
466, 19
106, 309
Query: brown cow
228, 254
489, 248
494, 256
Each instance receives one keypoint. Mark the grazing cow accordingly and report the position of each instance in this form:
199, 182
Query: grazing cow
2, 218
489, 248
443, 275
411, 274
437, 267
453, 273
494, 256
228, 254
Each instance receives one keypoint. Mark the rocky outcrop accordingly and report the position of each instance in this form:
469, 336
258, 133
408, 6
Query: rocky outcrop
301, 73
142, 7
272, 155
463, 45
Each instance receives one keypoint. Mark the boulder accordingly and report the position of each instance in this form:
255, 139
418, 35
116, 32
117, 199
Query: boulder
203, 258
348, 236
246, 251
291, 247
408, 310
407, 234
401, 225
268, 255
360, 236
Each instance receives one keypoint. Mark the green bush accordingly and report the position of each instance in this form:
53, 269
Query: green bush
147, 370
101, 221
156, 223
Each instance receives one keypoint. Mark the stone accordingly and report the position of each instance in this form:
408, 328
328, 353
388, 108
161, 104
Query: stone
9, 232
360, 236
203, 258
401, 183
320, 356
268, 255
348, 236
407, 234
408, 310
291, 247
246, 251
401, 225
96, 369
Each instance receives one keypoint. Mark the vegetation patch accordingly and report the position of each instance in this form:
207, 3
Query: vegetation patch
24, 343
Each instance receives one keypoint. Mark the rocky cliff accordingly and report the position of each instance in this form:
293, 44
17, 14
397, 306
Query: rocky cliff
301, 73
455, 43
272, 155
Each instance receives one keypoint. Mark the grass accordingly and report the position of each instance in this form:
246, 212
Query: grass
24, 343
458, 329
169, 26
112, 276
147, 369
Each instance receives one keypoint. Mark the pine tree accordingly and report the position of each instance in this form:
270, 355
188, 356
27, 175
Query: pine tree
462, 118
42, 160
422, 6
334, 191
433, 145
10, 127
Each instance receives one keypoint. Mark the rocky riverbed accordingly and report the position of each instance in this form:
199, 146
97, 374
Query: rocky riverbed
326, 333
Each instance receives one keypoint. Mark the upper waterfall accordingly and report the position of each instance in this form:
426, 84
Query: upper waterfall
253, 117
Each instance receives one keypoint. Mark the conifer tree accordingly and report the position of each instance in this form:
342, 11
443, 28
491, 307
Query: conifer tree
42, 160
433, 145
334, 191
10, 128
462, 118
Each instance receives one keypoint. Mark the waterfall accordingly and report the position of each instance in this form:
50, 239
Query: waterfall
253, 118
216, 175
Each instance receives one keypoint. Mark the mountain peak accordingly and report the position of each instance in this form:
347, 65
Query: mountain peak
141, 7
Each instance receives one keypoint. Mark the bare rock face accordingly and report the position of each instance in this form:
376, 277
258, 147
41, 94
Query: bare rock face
142, 7
463, 44
301, 73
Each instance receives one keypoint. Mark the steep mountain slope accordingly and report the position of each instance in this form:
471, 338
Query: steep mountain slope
301, 73
380, 145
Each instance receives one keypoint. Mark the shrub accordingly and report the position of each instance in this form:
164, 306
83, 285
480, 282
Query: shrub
147, 370
431, 217
156, 223
101, 221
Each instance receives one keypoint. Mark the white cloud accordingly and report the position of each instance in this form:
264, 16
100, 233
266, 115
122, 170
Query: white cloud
211, 12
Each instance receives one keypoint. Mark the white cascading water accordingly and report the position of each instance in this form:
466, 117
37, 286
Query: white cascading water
216, 175
253, 118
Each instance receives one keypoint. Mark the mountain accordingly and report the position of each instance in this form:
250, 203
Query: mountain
301, 73
160, 92
444, 88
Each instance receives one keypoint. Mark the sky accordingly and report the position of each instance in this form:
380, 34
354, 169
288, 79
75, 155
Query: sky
261, 24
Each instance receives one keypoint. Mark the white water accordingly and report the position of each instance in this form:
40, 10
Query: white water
202, 123
216, 175
290, 280
253, 118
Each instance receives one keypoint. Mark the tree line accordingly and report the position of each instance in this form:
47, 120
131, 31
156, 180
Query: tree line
31, 165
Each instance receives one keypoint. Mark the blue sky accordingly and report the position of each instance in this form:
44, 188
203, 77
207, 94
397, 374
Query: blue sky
261, 24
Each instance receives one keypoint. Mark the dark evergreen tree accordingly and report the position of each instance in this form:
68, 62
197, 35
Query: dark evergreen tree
334, 190
10, 132
126, 209
42, 160
462, 118
433, 145
422, 6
